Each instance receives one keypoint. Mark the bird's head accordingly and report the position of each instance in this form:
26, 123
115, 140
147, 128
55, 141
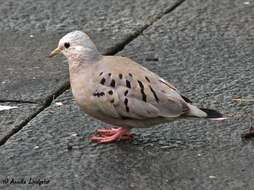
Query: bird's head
75, 45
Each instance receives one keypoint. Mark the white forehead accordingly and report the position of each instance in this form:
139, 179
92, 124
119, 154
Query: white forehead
73, 36
76, 38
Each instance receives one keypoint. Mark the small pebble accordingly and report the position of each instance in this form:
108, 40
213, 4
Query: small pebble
212, 177
7, 107
59, 103
36, 147
69, 147
246, 3
31, 36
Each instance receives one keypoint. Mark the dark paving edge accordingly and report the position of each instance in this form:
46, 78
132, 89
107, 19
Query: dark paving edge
118, 47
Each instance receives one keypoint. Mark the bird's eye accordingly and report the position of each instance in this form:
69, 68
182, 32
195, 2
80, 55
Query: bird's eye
66, 45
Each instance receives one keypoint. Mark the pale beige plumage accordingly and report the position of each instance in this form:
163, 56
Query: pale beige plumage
119, 91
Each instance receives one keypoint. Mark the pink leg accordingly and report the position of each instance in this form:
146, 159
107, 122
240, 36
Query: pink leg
107, 131
111, 135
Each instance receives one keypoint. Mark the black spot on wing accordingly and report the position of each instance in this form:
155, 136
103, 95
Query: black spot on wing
109, 74
100, 73
128, 84
154, 94
142, 90
120, 76
148, 80
103, 80
110, 92
186, 99
130, 75
126, 92
98, 94
113, 83
126, 105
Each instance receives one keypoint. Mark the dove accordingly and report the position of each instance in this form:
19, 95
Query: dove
121, 92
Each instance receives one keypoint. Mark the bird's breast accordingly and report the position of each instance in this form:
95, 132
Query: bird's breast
81, 88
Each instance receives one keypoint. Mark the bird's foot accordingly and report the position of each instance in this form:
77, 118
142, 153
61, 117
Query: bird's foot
108, 135
107, 131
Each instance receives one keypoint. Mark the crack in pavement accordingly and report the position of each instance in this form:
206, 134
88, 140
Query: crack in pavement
114, 50
121, 45
17, 101
44, 105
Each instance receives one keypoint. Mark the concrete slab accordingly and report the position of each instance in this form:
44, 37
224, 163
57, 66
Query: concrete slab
27, 77
27, 74
202, 47
13, 115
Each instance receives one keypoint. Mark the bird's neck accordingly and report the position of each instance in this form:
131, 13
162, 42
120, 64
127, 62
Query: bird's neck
83, 58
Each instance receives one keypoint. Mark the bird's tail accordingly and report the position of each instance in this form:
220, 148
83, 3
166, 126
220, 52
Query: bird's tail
213, 114
205, 113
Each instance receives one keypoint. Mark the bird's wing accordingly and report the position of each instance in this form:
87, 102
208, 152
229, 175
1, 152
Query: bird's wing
124, 88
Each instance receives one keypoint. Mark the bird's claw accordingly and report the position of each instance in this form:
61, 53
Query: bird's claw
108, 135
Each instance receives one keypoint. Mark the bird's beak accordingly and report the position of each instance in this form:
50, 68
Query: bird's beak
55, 52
